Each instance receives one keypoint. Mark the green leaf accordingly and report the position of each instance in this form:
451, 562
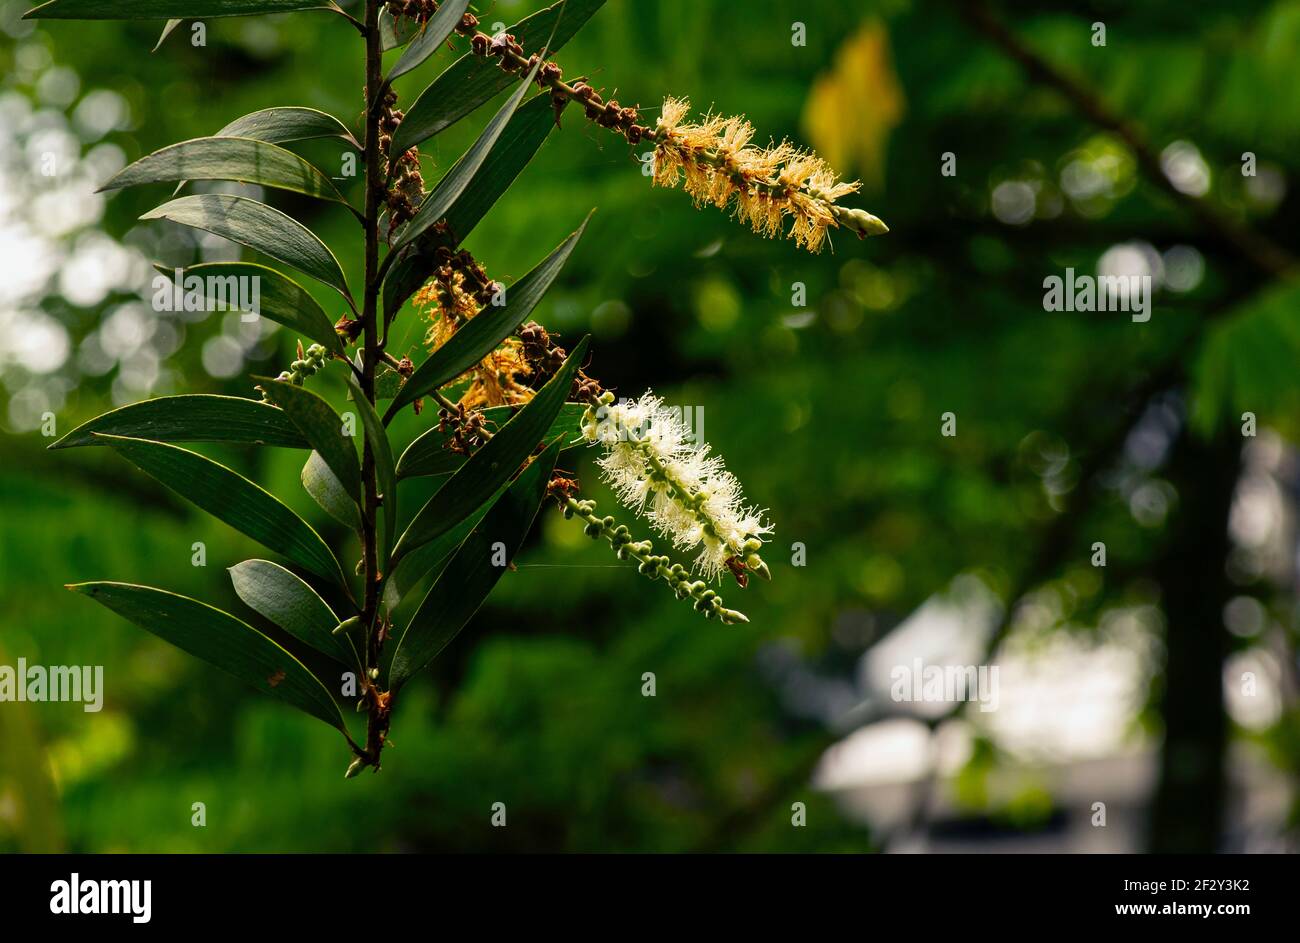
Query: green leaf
282, 597
231, 498
395, 31
157, 9
521, 139
326, 490
406, 276
387, 383
284, 125
482, 334
259, 227
387, 380
287, 124
279, 298
242, 159
428, 454
472, 574
454, 182
431, 557
221, 640
472, 80
322, 427
377, 436
495, 462
195, 417
427, 41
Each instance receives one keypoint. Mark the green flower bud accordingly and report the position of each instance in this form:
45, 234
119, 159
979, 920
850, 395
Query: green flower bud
859, 221
347, 625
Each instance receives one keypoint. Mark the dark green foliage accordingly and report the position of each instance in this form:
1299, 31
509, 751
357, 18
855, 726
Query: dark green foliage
359, 491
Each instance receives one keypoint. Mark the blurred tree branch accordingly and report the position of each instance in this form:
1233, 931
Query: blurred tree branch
1199, 656
1256, 250
1106, 432
1261, 252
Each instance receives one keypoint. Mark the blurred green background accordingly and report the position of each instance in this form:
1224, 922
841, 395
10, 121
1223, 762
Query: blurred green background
1122, 686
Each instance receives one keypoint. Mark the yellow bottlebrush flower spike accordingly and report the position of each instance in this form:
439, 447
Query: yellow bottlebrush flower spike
497, 380
765, 185
721, 166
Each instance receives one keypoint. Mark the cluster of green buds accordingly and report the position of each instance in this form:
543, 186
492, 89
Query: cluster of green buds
308, 364
594, 414
650, 564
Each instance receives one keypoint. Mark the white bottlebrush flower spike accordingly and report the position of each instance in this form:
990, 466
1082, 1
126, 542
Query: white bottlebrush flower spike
656, 468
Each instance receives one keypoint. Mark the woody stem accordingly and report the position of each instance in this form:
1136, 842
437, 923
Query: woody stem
376, 727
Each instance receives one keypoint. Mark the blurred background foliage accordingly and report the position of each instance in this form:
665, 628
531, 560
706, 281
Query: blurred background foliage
1069, 431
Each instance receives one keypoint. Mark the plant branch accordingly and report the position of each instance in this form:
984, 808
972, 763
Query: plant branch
377, 719
360, 27
1258, 250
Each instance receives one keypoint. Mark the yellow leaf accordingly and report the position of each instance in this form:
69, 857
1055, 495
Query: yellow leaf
852, 109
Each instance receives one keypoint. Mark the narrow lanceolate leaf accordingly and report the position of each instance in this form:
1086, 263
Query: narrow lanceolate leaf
483, 333
221, 640
322, 427
242, 159
473, 572
472, 80
454, 182
406, 276
190, 418
523, 136
326, 490
277, 297
430, 558
159, 9
259, 227
495, 462
282, 597
521, 139
233, 499
285, 124
427, 41
385, 470
429, 455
